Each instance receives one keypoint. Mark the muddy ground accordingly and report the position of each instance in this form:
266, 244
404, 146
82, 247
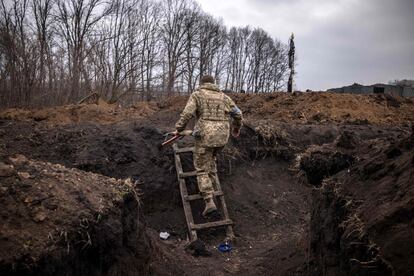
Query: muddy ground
300, 185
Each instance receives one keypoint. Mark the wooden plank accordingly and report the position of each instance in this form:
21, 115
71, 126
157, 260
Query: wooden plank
192, 227
198, 196
183, 190
211, 224
182, 150
187, 174
229, 230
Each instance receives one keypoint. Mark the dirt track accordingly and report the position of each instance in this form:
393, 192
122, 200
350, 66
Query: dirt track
266, 175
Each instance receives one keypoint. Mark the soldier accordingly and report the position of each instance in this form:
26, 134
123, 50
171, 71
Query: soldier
213, 110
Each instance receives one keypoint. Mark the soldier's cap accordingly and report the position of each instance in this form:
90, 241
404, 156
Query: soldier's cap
207, 79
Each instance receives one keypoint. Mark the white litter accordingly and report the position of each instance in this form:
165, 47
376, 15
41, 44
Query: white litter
164, 235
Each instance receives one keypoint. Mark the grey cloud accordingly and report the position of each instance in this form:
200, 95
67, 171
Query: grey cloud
373, 44
338, 41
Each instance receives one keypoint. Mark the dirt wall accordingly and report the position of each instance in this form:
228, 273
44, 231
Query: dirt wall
362, 217
60, 221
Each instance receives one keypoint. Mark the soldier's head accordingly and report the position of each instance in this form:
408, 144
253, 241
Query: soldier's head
207, 79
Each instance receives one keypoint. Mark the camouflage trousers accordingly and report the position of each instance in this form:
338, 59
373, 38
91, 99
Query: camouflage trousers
205, 165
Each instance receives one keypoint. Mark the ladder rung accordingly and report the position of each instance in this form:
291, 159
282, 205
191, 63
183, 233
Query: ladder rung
182, 150
211, 224
198, 196
188, 174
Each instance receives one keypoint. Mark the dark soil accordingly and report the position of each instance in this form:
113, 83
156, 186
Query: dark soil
321, 164
362, 220
283, 224
59, 221
275, 199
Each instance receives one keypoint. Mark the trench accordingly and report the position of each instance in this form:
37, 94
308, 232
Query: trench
268, 203
269, 200
270, 209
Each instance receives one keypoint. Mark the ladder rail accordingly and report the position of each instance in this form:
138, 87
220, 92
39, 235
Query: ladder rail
229, 229
183, 190
186, 198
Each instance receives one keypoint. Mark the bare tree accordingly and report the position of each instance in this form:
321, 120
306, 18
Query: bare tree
150, 29
209, 36
75, 22
175, 13
121, 48
17, 51
192, 33
219, 60
258, 41
291, 56
42, 16
54, 52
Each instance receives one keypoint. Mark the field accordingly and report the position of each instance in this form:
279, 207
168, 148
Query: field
317, 184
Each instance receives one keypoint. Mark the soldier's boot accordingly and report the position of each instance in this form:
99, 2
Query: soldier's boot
210, 206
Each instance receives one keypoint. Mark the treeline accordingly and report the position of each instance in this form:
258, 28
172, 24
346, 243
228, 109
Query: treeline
58, 51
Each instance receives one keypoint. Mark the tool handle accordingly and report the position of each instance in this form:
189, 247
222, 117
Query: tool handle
169, 141
176, 136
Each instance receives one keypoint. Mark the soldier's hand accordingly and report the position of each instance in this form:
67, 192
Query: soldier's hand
235, 132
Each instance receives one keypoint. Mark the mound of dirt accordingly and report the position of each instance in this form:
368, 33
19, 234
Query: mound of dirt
101, 113
321, 107
124, 150
362, 221
60, 221
298, 108
322, 161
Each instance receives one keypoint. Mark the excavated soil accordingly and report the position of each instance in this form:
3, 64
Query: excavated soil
61, 221
362, 219
300, 185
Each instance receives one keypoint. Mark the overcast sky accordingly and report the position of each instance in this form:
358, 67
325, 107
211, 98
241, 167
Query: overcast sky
338, 42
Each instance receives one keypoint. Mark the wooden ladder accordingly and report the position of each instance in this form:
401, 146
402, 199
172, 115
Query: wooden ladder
186, 199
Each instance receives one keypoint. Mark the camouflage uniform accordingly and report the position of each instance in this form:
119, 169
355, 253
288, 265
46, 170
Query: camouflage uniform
213, 110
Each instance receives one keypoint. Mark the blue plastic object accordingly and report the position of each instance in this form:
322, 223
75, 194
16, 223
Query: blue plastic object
225, 247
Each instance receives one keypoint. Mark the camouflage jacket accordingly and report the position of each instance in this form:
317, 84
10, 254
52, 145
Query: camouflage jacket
213, 110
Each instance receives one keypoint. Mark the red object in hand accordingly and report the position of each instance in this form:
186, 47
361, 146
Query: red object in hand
175, 136
171, 140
